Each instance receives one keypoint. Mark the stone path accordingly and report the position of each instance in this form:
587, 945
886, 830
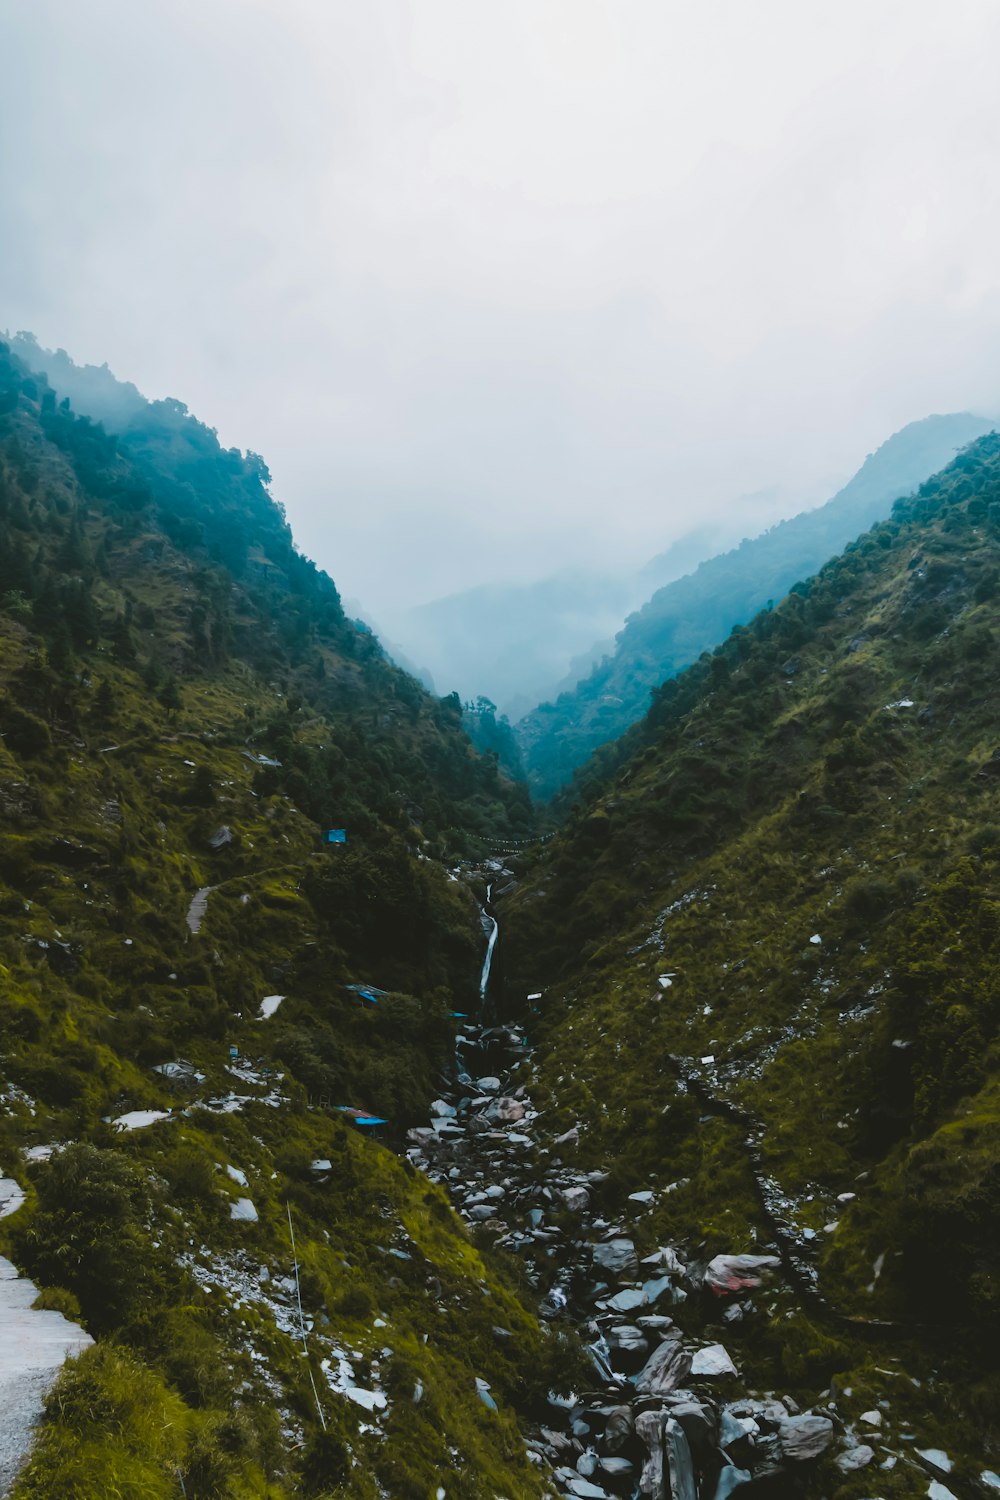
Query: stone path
33, 1347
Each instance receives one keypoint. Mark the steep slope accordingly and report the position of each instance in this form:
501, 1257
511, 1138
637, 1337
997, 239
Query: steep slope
769, 943
694, 613
183, 711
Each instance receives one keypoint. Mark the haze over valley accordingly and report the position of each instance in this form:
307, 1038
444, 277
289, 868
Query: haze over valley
499, 751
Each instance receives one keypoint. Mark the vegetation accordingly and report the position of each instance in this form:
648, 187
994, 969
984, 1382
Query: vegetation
184, 708
784, 891
694, 613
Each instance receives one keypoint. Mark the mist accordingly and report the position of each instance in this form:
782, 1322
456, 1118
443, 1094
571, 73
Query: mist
501, 291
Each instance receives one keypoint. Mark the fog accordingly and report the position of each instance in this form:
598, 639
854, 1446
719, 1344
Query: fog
503, 289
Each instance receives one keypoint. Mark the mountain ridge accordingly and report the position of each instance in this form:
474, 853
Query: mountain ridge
695, 612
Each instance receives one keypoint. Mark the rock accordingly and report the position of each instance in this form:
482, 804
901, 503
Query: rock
554, 1300
667, 1259
618, 1257
858, 1457
805, 1437
937, 1458
617, 1466
938, 1491
627, 1301
650, 1427
576, 1199
664, 1370
483, 1389
871, 1418
488, 1085
736, 1273
628, 1339
991, 1480
506, 1111
586, 1490
442, 1109
679, 1466
244, 1210
730, 1478
700, 1427
643, 1197
712, 1361
618, 1429
652, 1290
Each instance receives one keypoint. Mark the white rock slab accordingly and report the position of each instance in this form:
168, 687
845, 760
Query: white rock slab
243, 1209
138, 1119
33, 1346
269, 1005
712, 1360
11, 1196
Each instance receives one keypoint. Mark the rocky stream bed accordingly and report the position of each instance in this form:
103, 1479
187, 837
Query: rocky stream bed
668, 1416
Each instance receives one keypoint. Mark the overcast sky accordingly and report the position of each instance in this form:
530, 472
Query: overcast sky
498, 286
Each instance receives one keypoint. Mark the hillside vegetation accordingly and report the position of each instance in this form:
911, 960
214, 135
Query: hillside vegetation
769, 942
184, 709
695, 612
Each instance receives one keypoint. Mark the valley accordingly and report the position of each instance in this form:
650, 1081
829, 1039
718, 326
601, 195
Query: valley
369, 1131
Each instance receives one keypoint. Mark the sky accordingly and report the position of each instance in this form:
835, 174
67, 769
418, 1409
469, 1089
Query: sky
503, 288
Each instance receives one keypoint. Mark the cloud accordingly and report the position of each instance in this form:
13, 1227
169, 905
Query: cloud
501, 288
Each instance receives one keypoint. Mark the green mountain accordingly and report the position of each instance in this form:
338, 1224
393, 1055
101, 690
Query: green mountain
186, 990
694, 613
767, 944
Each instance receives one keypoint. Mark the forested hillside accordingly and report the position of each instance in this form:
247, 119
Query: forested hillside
694, 613
194, 983
768, 941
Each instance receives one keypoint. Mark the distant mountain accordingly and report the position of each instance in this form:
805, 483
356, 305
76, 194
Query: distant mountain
694, 613
517, 642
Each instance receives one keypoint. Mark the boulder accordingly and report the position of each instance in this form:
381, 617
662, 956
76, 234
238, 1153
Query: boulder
730, 1478
700, 1426
617, 1257
665, 1369
726, 1274
680, 1468
576, 1199
858, 1457
618, 1429
805, 1437
712, 1361
650, 1427
626, 1301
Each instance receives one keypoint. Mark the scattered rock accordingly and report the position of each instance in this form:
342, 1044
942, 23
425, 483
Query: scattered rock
855, 1458
726, 1274
618, 1257
805, 1437
711, 1361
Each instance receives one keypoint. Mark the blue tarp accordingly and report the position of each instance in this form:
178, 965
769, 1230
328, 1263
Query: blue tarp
335, 836
368, 992
360, 1116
